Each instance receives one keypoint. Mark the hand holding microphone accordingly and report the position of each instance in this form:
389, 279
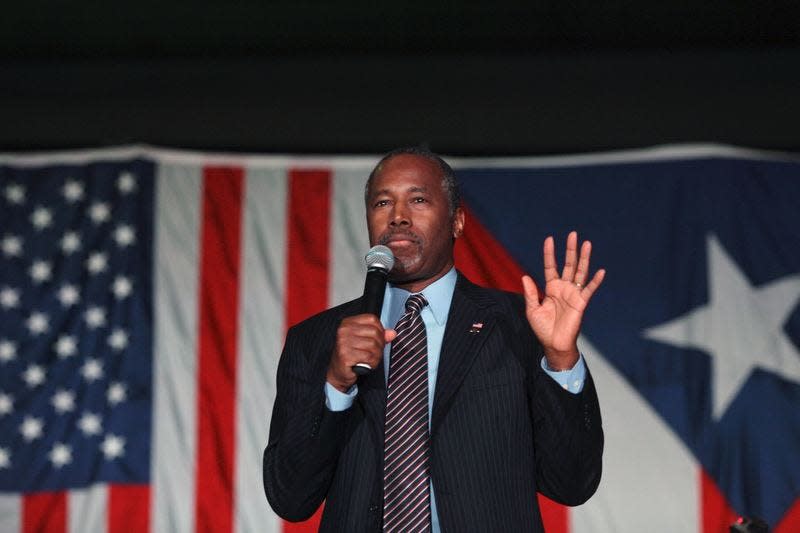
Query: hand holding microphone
360, 339
380, 261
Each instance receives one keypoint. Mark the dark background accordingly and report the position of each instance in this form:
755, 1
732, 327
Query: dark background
464, 78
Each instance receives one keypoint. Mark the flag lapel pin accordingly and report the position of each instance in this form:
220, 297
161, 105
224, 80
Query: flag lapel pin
476, 328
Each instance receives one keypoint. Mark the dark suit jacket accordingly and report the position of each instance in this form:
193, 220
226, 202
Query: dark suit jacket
501, 429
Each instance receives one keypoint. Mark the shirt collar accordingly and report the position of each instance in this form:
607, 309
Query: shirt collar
439, 294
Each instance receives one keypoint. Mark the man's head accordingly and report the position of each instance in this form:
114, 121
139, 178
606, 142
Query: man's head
413, 208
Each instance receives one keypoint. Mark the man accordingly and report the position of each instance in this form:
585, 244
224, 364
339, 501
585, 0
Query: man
488, 399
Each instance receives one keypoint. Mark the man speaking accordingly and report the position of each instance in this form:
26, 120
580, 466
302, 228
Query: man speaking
476, 400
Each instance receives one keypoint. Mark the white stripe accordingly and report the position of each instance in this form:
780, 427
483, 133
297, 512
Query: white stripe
261, 327
362, 164
349, 239
650, 480
178, 196
10, 513
87, 510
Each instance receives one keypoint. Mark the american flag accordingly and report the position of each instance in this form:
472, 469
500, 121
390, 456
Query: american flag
145, 294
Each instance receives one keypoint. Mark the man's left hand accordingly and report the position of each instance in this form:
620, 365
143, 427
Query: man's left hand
556, 319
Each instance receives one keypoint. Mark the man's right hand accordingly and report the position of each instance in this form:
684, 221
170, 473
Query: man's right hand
359, 339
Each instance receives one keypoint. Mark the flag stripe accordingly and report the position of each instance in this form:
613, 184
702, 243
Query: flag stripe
45, 512
175, 346
717, 514
10, 512
308, 261
349, 240
308, 245
218, 323
261, 330
128, 508
86, 510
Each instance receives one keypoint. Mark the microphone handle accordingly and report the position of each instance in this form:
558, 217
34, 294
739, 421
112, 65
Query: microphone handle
374, 289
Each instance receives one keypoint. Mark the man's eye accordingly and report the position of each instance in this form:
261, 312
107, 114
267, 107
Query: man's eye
381, 203
419, 200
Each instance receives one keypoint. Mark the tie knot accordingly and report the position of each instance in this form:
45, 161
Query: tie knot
415, 303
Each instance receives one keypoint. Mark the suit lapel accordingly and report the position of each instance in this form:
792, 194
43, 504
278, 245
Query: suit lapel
461, 342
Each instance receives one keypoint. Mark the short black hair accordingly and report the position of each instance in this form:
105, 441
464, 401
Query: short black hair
449, 181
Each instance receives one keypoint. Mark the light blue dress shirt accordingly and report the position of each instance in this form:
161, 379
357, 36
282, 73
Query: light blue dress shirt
439, 295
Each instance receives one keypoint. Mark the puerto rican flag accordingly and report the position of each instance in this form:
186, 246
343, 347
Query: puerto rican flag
145, 295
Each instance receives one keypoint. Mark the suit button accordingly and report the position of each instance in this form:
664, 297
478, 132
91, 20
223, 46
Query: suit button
373, 508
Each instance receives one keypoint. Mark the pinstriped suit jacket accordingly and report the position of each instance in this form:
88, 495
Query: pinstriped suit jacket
501, 429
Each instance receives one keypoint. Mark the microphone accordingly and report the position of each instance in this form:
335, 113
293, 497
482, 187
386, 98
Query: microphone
380, 261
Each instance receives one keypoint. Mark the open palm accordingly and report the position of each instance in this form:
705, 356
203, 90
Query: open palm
556, 319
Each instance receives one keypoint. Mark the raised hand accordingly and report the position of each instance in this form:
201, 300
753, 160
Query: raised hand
556, 320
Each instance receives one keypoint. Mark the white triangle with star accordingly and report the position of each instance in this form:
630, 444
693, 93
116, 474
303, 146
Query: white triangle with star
741, 327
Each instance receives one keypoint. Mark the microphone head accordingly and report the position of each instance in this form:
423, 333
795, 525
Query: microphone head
380, 257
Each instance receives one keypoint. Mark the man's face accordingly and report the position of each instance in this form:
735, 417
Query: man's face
408, 211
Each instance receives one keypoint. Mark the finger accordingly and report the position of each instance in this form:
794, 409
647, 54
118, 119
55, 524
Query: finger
531, 292
583, 263
570, 257
550, 268
588, 291
389, 335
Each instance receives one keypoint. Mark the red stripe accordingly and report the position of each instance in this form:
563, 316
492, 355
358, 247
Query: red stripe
716, 514
128, 508
790, 523
44, 512
486, 262
307, 264
218, 322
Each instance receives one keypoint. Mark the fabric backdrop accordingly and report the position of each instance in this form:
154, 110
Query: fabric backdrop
145, 294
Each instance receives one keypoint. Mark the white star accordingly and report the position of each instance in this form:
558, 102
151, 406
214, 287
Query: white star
6, 403
41, 218
72, 191
90, 424
40, 271
95, 317
60, 455
33, 375
68, 295
92, 370
118, 339
15, 194
65, 346
126, 183
63, 401
99, 212
9, 297
97, 262
11, 245
5, 458
124, 235
116, 393
70, 242
121, 287
8, 351
113, 446
31, 428
38, 323
741, 327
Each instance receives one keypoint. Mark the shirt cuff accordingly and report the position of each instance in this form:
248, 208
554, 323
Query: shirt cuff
571, 380
336, 400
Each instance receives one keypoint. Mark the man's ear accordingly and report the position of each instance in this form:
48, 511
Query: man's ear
458, 223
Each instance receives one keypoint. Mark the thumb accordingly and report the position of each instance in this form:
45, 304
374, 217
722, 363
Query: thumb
389, 335
531, 292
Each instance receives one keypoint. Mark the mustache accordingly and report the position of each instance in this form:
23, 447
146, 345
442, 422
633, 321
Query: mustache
391, 235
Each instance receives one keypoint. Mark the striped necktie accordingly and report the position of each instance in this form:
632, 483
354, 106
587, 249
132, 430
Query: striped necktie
406, 478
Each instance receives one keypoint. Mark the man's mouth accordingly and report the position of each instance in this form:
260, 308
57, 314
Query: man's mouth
398, 240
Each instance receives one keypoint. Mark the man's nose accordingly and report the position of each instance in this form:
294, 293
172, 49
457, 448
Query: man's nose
400, 216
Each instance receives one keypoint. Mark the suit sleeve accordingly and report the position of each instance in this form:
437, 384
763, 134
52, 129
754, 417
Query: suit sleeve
568, 437
305, 438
